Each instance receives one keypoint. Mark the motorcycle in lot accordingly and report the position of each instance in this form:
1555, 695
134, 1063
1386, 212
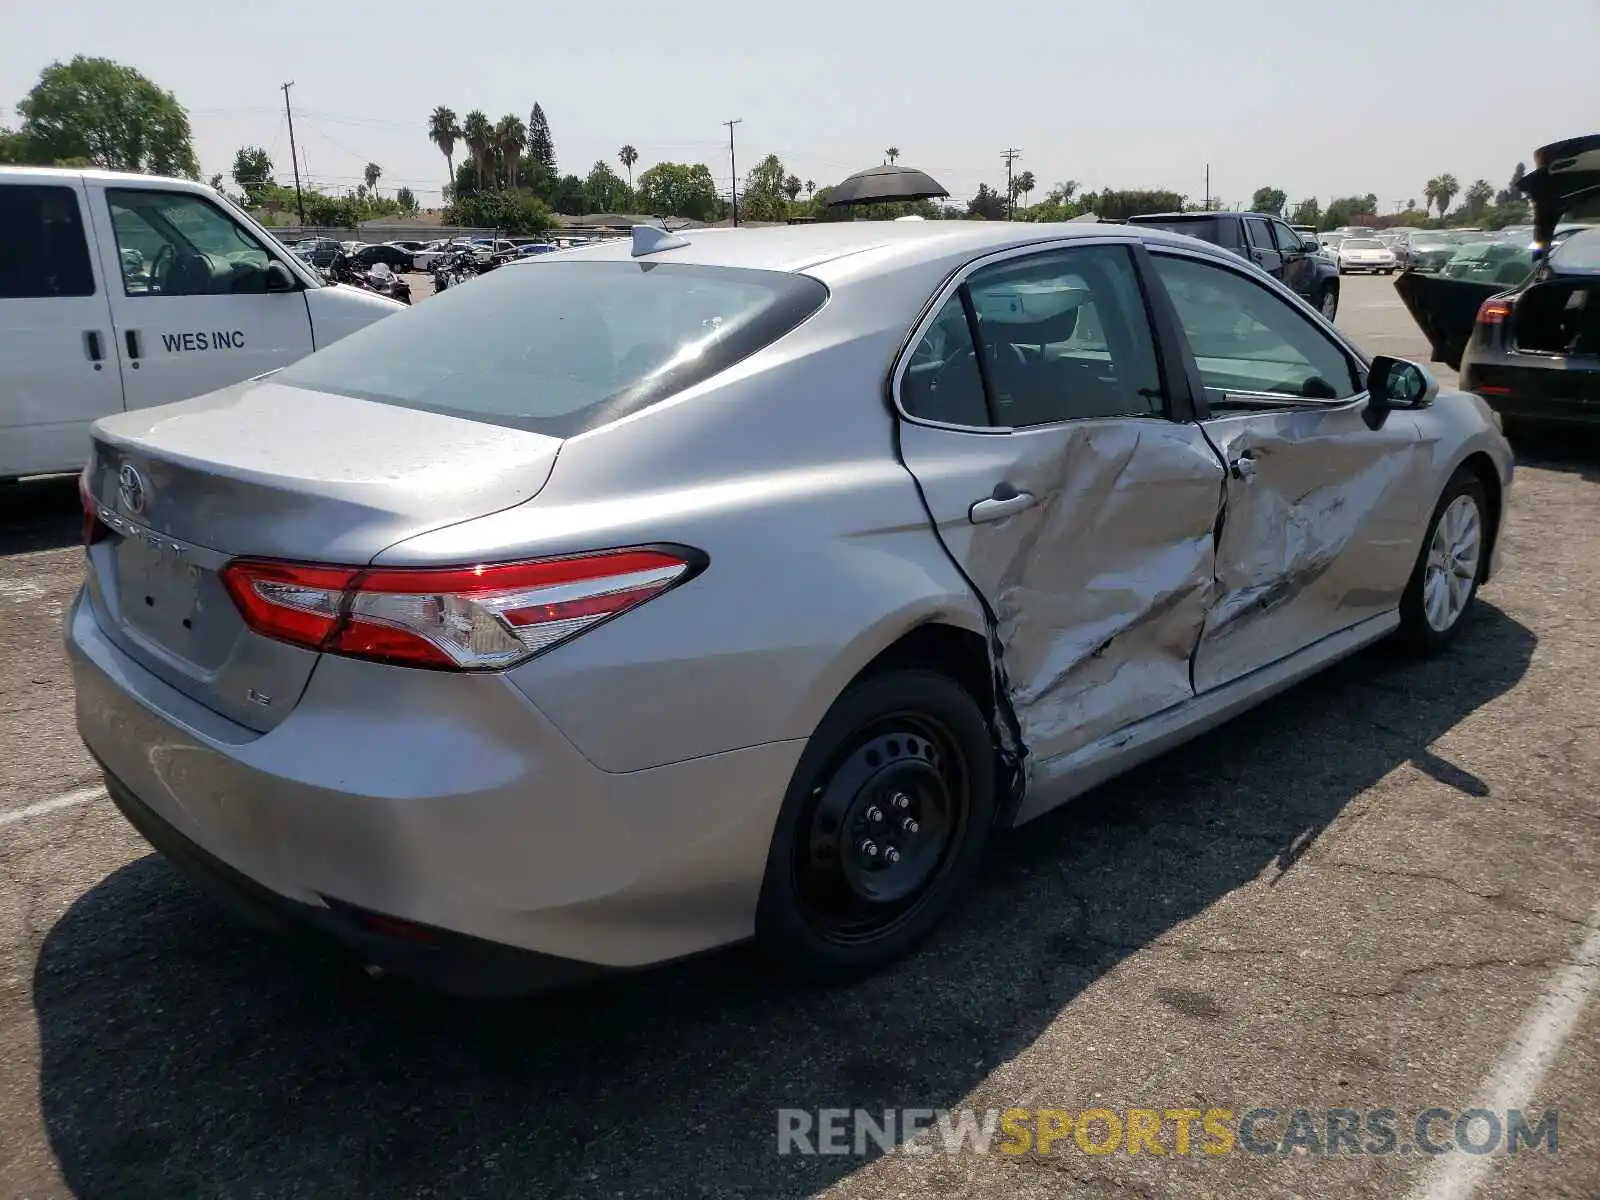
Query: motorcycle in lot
380, 278
454, 269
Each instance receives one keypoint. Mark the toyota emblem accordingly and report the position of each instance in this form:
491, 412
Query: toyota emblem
130, 490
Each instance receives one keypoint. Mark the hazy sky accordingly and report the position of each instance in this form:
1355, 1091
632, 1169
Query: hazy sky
1349, 97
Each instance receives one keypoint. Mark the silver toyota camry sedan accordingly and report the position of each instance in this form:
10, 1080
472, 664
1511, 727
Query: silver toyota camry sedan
660, 594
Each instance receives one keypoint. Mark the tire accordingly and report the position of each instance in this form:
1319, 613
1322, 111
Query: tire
907, 752
1328, 303
1444, 582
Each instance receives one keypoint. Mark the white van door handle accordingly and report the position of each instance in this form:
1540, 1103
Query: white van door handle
131, 340
91, 347
999, 507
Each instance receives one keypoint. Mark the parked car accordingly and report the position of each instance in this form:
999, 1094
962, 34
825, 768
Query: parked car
1502, 263
1513, 323
1365, 254
1425, 249
319, 252
1535, 350
1265, 241
122, 291
393, 257
529, 249
427, 260
654, 613
412, 246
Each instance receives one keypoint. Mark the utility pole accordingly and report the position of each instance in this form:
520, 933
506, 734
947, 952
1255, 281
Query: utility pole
733, 169
1208, 188
294, 157
1010, 156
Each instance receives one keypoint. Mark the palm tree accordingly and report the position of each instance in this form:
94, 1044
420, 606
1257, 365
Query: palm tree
1430, 192
791, 187
892, 153
372, 172
628, 156
443, 132
1025, 185
1448, 188
479, 136
1063, 192
511, 138
811, 190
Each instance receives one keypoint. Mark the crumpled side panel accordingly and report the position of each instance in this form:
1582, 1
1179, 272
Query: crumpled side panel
1320, 537
1100, 591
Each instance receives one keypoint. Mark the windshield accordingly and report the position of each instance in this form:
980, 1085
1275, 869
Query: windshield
561, 347
1201, 228
1362, 244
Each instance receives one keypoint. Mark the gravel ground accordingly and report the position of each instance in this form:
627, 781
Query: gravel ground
1379, 891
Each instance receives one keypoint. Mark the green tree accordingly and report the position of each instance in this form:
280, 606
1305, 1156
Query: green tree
987, 205
1268, 200
407, 200
1345, 209
515, 213
680, 190
14, 147
1307, 212
567, 196
791, 187
1114, 205
1477, 198
541, 148
604, 191
443, 132
892, 154
811, 190
763, 198
1022, 185
1063, 192
370, 174
479, 137
95, 109
252, 171
627, 156
511, 139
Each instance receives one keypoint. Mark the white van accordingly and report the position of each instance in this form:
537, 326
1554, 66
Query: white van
122, 291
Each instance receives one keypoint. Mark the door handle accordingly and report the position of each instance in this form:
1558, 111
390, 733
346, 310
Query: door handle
1000, 506
131, 339
91, 346
1245, 465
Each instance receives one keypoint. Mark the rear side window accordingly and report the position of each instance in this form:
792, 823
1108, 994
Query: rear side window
1206, 230
562, 347
43, 251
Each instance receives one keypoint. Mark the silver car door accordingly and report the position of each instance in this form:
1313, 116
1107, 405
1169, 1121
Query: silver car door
1323, 514
1035, 418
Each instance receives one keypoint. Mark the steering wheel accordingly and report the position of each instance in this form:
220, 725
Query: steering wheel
158, 273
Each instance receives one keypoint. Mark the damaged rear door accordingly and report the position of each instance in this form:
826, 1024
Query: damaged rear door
1040, 428
1322, 515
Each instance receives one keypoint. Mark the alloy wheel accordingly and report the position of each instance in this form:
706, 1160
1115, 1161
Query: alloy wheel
1454, 555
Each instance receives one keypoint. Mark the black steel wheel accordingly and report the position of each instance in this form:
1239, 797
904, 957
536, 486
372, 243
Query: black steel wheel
883, 825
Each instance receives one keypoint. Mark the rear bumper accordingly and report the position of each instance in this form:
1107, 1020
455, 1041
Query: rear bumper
447, 801
1534, 393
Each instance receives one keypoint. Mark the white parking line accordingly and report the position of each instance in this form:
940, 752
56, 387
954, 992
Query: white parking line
1516, 1077
66, 800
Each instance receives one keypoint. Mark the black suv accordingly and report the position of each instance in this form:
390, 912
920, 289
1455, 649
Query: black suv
1266, 241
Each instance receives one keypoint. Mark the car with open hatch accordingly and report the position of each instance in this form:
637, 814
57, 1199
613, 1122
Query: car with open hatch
691, 588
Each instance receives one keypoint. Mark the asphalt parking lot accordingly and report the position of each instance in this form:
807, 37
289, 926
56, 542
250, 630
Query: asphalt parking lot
1381, 890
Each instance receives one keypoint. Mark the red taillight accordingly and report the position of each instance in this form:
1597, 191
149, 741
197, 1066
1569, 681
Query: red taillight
93, 527
467, 618
1494, 312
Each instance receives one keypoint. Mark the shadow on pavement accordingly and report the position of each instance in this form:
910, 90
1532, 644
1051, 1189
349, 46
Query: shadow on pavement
41, 513
183, 1055
1576, 451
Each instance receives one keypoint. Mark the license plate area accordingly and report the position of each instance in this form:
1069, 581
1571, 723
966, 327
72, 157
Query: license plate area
165, 598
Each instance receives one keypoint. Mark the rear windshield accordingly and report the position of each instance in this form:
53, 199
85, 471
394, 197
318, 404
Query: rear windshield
1206, 230
1579, 252
562, 347
1362, 244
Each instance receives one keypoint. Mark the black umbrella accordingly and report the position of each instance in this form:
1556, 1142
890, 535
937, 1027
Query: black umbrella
879, 185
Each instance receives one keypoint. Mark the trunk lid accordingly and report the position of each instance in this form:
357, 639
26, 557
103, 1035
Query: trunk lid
1445, 309
1564, 182
271, 471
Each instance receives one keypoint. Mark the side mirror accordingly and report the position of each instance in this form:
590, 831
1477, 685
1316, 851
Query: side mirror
1396, 383
279, 278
